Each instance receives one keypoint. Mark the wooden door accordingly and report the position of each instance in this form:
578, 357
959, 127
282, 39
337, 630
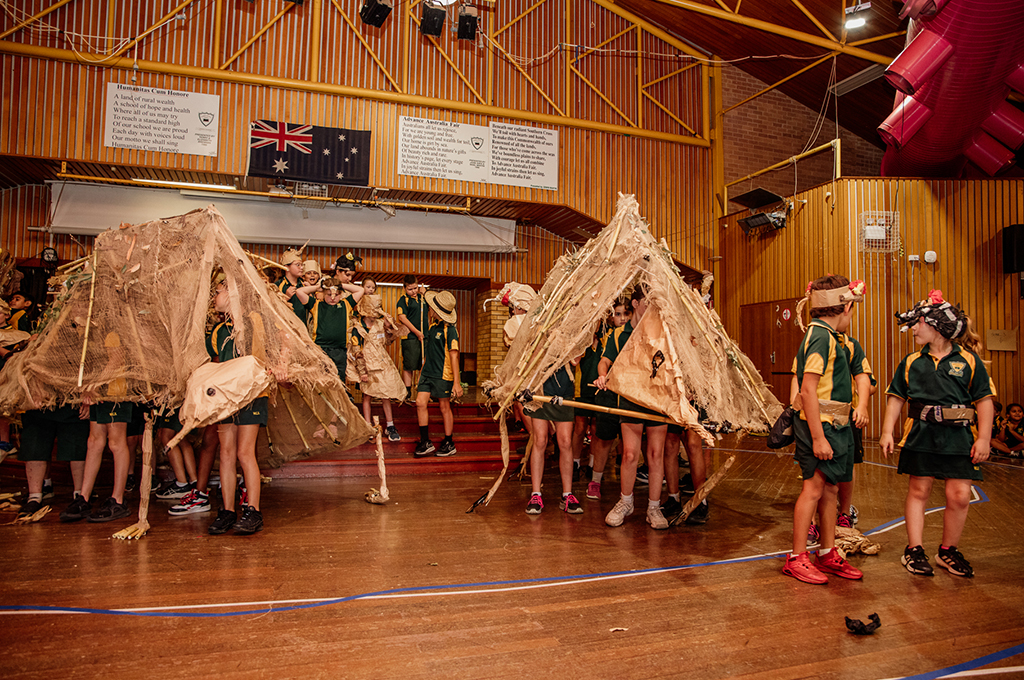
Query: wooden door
769, 335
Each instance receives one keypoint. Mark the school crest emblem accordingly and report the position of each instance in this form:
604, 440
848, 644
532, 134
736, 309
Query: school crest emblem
956, 368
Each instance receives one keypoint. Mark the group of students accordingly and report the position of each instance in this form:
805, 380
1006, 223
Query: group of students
949, 394
342, 318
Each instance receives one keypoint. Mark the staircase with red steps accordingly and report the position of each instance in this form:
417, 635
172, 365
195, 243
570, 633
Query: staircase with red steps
477, 443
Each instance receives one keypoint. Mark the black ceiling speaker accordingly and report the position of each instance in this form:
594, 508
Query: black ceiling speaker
432, 21
467, 22
374, 12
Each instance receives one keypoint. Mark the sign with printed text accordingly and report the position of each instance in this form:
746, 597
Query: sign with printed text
167, 121
499, 153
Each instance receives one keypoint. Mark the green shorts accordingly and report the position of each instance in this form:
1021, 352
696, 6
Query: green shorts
39, 430
253, 414
412, 353
840, 467
339, 355
628, 405
606, 426
937, 465
438, 388
137, 425
107, 412
169, 421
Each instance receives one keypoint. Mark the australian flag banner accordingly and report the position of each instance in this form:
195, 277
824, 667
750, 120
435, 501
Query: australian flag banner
308, 153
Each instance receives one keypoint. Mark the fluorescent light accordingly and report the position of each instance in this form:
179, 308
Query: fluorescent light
186, 185
392, 285
219, 195
859, 79
856, 22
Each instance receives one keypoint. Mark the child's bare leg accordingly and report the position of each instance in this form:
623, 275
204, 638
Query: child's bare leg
388, 416
827, 516
917, 501
672, 441
77, 472
366, 409
207, 454
93, 456
165, 435
446, 416
227, 433
698, 458
846, 494
803, 511
35, 473
958, 502
246, 453
188, 457
117, 441
422, 416
563, 433
655, 460
631, 436
540, 445
599, 448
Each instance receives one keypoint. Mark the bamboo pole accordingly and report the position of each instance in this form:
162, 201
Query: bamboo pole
327, 430
88, 318
703, 492
373, 495
71, 265
486, 498
605, 409
269, 263
295, 422
139, 529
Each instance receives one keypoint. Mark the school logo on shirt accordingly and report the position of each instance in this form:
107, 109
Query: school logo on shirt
956, 368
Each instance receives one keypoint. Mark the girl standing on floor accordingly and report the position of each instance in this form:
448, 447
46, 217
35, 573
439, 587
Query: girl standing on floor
946, 384
378, 377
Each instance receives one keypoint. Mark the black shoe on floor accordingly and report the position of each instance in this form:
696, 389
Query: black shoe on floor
642, 475
447, 449
47, 490
30, 508
700, 514
225, 520
686, 485
916, 561
250, 522
132, 484
109, 511
671, 509
78, 510
423, 449
953, 561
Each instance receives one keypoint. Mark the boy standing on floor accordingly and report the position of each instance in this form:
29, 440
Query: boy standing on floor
412, 312
440, 375
824, 438
942, 382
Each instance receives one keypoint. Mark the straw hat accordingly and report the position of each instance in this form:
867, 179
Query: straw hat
443, 304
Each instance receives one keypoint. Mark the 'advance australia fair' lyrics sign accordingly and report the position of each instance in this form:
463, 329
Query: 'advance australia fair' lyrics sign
499, 153
168, 121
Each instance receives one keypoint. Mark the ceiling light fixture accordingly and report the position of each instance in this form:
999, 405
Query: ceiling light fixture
184, 185
857, 16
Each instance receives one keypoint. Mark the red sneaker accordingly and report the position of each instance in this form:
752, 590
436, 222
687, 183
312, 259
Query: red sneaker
801, 568
834, 564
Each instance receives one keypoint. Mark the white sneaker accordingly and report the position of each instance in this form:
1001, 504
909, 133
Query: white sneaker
618, 514
656, 519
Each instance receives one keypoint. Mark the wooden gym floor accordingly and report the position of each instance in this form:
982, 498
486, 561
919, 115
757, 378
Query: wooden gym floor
337, 588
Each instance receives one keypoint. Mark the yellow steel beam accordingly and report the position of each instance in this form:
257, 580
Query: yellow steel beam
601, 95
784, 80
219, 75
671, 75
517, 19
595, 48
314, 42
218, 16
670, 114
366, 46
662, 35
167, 17
529, 79
640, 76
455, 67
769, 27
34, 18
877, 38
814, 19
722, 5
834, 144
287, 7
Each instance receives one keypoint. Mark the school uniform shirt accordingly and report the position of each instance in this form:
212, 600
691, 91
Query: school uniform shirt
858, 365
20, 321
1014, 435
587, 370
219, 343
415, 310
959, 378
616, 340
300, 309
823, 351
440, 339
328, 324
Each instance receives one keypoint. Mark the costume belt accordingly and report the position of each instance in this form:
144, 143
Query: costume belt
956, 416
839, 410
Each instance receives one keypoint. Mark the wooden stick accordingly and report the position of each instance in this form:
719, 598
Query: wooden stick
526, 456
606, 409
486, 498
294, 421
373, 495
88, 319
139, 529
703, 491
72, 265
269, 263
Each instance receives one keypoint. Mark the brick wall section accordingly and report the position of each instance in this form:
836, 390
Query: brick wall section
774, 127
490, 348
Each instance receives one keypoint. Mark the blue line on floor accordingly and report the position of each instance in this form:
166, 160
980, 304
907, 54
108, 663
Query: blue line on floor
970, 665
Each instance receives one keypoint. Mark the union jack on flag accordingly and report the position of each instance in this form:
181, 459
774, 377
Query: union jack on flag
309, 153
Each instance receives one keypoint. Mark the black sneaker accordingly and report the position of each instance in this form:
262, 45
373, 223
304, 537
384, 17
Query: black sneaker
78, 510
173, 491
132, 484
686, 485
30, 508
250, 522
700, 514
392, 434
225, 520
423, 449
570, 505
642, 475
916, 561
953, 561
447, 449
109, 511
671, 509
47, 489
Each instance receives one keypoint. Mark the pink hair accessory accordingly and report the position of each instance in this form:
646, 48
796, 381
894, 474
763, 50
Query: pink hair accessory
935, 297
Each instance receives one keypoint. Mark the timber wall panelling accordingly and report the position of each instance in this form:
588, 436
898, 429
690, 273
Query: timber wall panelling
960, 220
